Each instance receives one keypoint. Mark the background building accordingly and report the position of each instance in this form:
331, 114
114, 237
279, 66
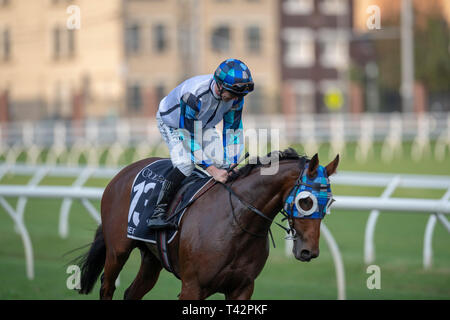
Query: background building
314, 42
378, 57
127, 54
50, 71
307, 56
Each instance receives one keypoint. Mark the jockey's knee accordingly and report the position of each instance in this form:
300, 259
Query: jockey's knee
185, 167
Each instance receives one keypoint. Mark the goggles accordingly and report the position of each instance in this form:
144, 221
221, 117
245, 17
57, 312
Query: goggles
239, 89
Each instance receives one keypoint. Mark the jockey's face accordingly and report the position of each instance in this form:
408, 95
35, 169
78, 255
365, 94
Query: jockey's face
225, 95
228, 96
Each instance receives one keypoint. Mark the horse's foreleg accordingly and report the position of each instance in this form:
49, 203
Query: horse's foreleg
191, 291
113, 265
242, 293
146, 278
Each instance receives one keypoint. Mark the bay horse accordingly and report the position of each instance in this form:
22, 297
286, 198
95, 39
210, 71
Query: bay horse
214, 250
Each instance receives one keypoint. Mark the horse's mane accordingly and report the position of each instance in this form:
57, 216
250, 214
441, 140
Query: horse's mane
288, 154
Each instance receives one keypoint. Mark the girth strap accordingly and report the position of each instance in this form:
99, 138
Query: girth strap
161, 244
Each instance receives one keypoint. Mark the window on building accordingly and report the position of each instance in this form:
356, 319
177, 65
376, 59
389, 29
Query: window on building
298, 6
61, 105
253, 37
160, 92
56, 2
5, 44
56, 42
70, 42
66, 102
220, 39
159, 38
63, 42
333, 7
304, 96
56, 105
134, 97
299, 47
133, 38
4, 3
334, 49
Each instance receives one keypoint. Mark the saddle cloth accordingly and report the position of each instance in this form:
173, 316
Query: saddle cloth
145, 191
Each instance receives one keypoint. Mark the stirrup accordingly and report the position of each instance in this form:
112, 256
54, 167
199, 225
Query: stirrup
157, 224
158, 220
160, 211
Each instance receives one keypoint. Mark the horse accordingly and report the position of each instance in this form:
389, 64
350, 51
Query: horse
221, 246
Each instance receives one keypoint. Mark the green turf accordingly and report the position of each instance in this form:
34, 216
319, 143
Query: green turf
398, 240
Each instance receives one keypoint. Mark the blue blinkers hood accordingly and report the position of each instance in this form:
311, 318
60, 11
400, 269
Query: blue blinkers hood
318, 189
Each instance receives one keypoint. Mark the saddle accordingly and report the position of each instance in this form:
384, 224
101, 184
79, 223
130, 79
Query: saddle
144, 193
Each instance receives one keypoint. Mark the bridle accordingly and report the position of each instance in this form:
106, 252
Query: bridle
287, 216
290, 231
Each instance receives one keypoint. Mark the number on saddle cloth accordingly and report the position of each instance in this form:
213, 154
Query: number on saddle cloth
144, 192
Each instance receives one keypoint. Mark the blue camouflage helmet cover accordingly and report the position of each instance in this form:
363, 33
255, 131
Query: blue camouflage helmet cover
234, 76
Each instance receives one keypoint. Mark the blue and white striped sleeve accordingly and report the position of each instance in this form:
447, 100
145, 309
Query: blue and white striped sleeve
233, 138
190, 106
189, 109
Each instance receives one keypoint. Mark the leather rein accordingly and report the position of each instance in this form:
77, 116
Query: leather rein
291, 231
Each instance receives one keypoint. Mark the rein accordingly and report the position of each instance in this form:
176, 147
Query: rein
253, 209
172, 216
290, 231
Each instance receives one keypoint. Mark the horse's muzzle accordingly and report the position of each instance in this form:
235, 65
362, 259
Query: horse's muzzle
306, 255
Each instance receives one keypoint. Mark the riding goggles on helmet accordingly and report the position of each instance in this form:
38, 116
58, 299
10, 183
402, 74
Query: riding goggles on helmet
317, 189
239, 89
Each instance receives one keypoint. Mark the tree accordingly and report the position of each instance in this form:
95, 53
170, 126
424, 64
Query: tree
431, 53
432, 50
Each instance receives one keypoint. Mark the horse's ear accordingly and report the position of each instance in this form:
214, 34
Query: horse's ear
313, 165
332, 166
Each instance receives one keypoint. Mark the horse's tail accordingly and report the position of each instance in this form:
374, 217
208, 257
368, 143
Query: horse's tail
92, 263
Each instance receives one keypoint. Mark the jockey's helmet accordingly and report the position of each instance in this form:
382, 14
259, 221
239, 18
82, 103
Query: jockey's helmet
235, 77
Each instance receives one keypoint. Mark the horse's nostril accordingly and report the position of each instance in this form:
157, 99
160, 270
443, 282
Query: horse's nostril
305, 254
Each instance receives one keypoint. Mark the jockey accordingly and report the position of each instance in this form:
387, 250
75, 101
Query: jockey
189, 113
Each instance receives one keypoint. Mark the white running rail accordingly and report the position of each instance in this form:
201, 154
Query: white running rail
438, 209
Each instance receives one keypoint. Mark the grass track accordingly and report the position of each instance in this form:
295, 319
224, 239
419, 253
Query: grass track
398, 238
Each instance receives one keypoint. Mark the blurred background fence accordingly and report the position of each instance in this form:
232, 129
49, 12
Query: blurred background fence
77, 191
55, 142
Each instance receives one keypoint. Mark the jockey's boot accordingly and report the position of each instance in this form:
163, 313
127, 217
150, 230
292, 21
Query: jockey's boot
168, 190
